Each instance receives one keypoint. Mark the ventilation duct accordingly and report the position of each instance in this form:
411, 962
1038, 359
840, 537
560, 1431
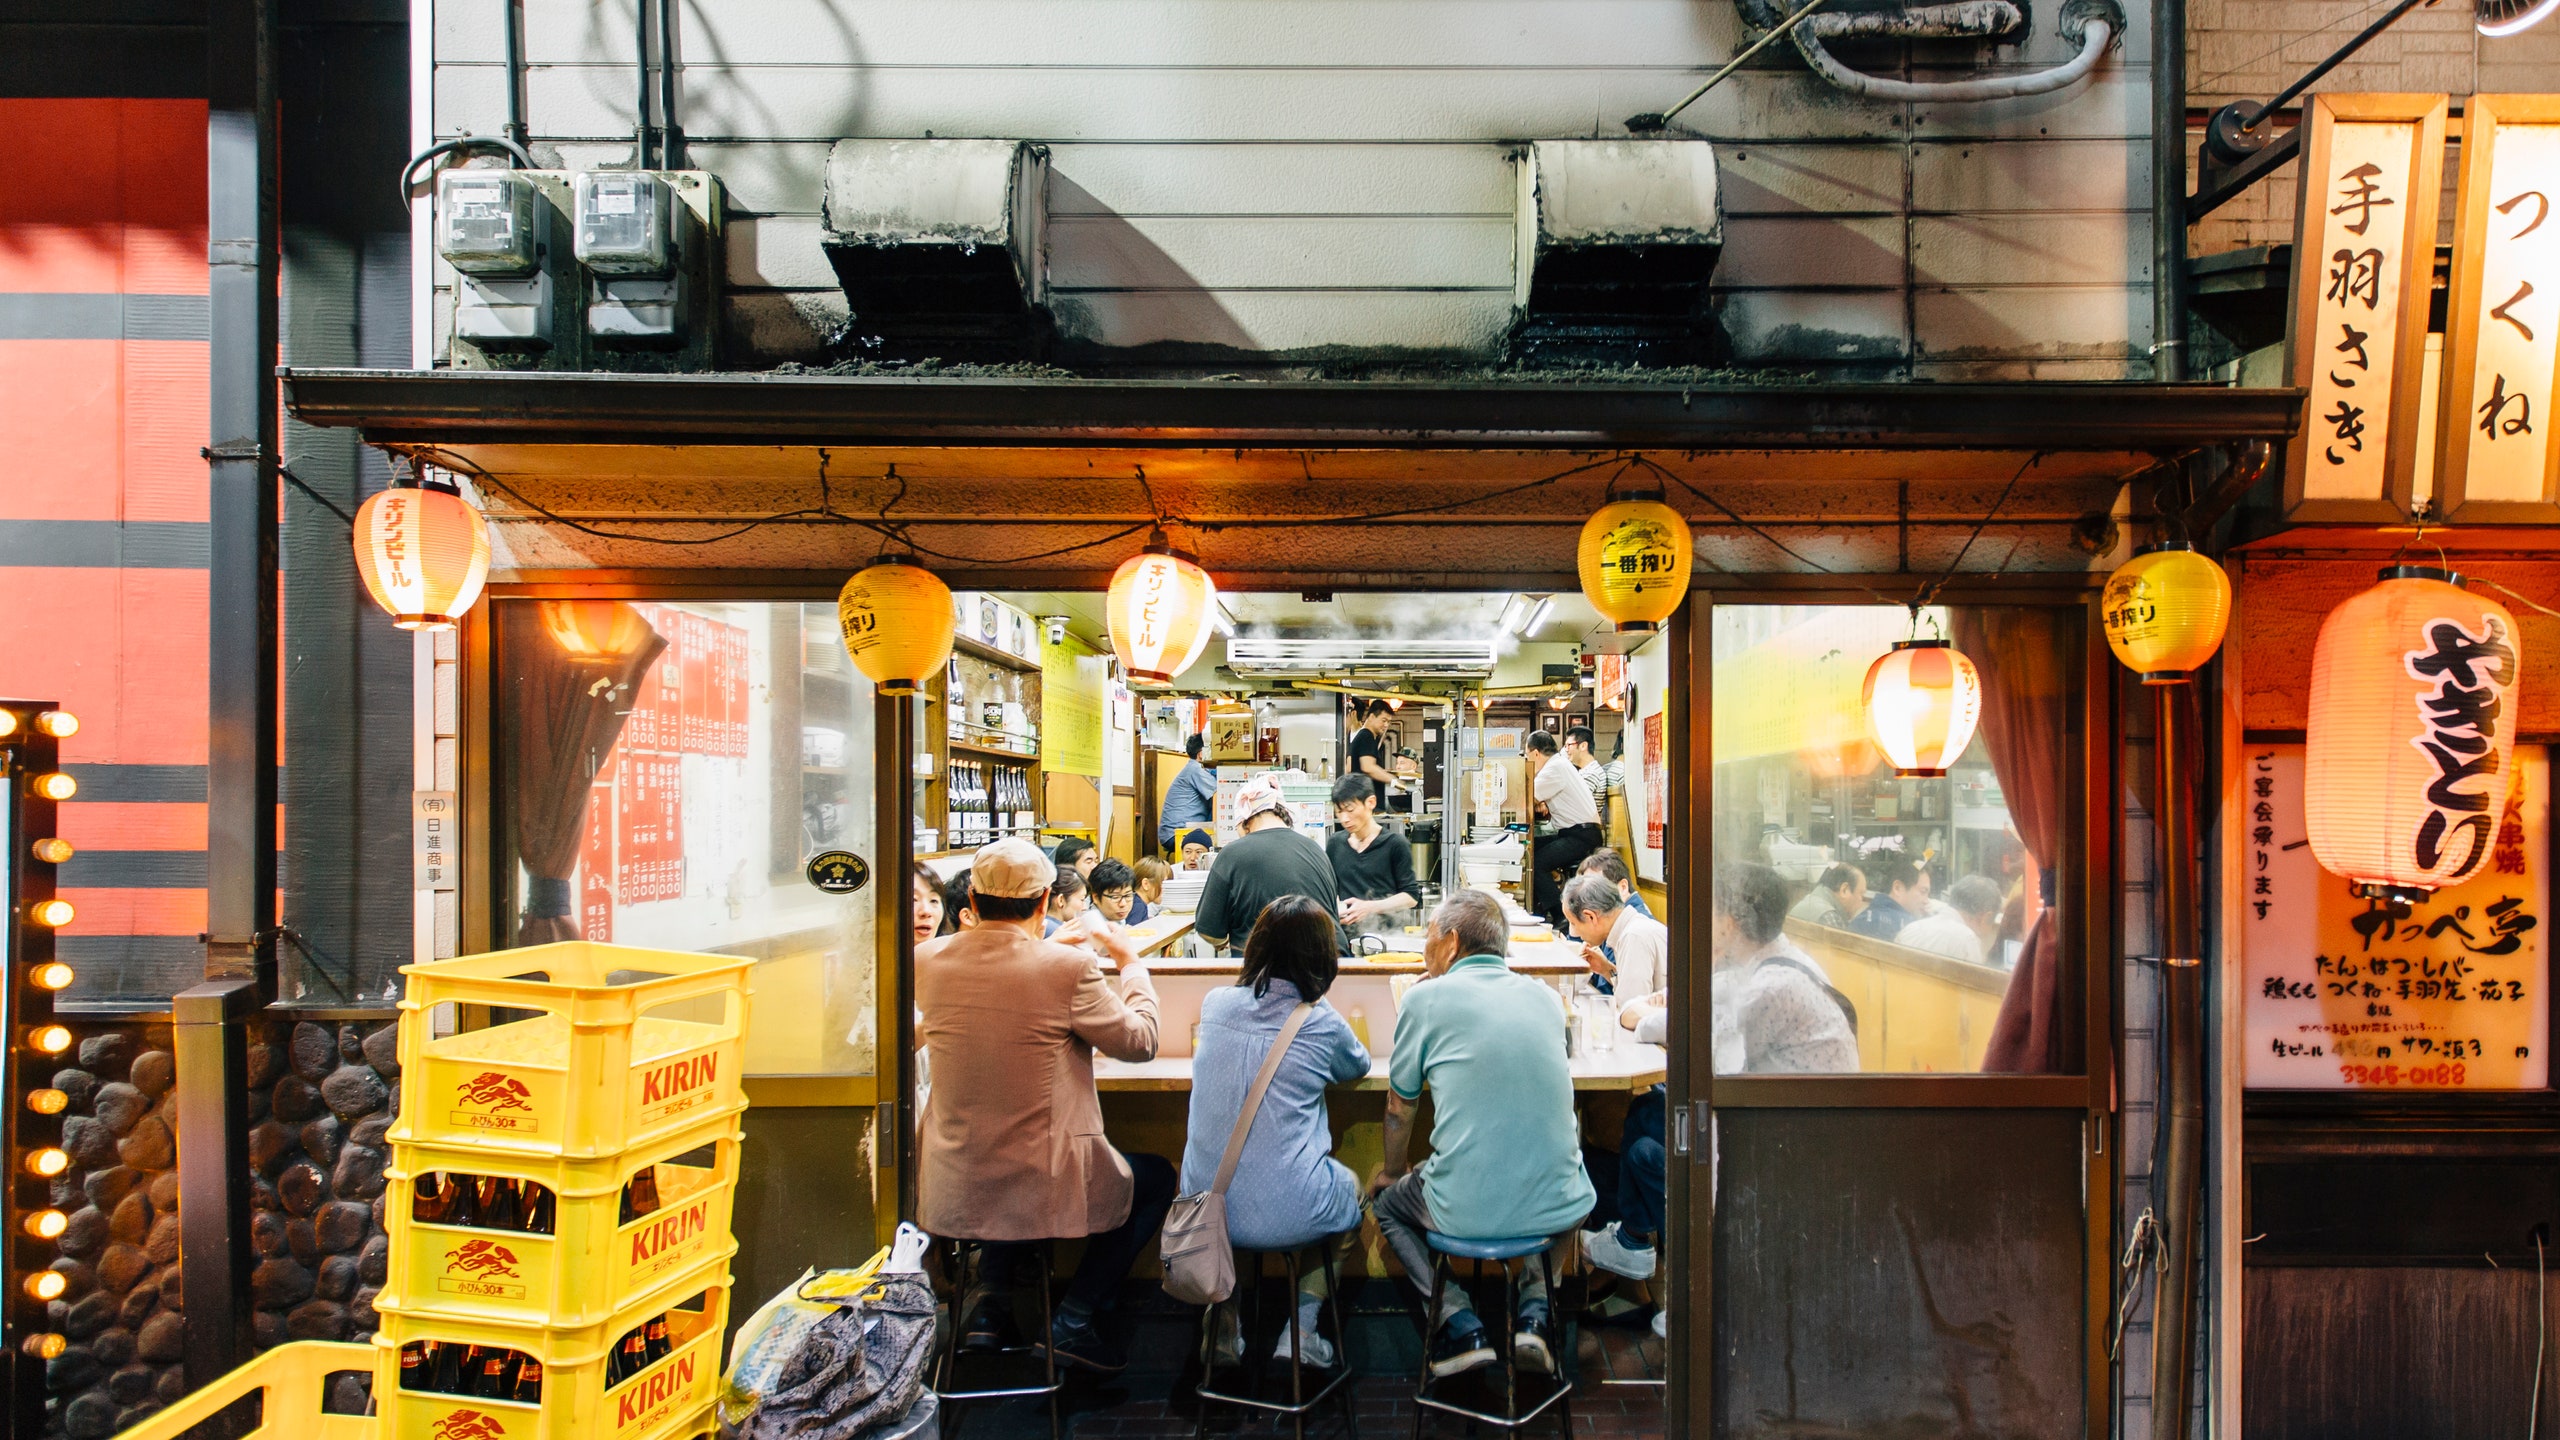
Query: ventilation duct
1618, 240
937, 244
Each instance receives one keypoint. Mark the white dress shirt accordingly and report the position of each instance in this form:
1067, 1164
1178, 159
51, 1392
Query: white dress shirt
1559, 787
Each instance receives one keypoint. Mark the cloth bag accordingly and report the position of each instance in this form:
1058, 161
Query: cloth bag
1199, 1264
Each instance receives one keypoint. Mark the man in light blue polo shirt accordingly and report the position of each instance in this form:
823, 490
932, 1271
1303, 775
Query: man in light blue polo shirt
1506, 1160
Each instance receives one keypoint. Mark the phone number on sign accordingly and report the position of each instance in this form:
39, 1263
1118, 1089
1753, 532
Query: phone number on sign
2402, 1075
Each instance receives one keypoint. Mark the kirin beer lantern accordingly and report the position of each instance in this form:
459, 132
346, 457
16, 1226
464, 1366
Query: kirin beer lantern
1923, 698
422, 552
897, 624
2165, 611
1634, 559
2412, 731
1159, 612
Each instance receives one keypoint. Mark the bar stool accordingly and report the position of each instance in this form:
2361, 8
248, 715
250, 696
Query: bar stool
1249, 1264
961, 1260
1444, 1249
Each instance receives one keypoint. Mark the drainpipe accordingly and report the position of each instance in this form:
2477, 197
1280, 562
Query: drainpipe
2178, 1168
240, 774
2169, 190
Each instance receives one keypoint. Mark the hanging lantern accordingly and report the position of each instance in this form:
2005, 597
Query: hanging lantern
1159, 609
596, 632
423, 552
1923, 699
2412, 727
2165, 610
897, 624
1635, 563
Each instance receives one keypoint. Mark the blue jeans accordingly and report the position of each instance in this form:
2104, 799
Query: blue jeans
1643, 1167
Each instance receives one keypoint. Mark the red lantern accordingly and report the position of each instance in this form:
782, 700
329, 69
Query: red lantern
2412, 729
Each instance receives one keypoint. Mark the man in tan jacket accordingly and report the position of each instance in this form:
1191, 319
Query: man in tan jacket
1011, 1150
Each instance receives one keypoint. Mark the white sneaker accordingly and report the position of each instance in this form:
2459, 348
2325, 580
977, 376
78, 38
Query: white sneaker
1662, 1324
1313, 1349
1615, 1255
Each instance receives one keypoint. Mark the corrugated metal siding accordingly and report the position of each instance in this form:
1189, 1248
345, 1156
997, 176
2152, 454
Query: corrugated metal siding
1293, 174
102, 391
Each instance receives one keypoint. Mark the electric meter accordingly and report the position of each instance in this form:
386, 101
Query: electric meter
490, 222
623, 222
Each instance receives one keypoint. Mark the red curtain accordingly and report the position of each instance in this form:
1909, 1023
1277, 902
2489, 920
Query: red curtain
560, 721
2029, 682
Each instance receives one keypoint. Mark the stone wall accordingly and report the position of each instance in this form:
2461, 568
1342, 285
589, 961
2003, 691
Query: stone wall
321, 1095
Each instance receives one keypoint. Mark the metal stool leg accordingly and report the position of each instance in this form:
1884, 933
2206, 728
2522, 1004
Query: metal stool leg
1297, 1350
1048, 1353
1341, 1337
1430, 1322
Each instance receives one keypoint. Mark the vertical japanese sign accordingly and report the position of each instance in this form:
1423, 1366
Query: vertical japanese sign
2502, 316
2364, 263
1657, 787
1075, 683
2342, 994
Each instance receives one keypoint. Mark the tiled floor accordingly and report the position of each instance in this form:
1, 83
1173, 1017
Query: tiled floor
1153, 1397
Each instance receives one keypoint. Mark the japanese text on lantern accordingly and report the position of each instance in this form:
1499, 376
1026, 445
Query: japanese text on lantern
2445, 994
2368, 207
2504, 315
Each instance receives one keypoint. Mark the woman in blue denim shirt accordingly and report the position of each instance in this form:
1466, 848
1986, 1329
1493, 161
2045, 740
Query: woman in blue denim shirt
1288, 1189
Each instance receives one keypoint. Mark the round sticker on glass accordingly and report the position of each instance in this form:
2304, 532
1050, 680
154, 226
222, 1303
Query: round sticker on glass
838, 872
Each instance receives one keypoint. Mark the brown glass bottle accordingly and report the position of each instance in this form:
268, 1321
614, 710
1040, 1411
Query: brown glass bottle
541, 1209
640, 1196
501, 1204
417, 1364
454, 1364
493, 1376
432, 1198
465, 1206
659, 1346
528, 1389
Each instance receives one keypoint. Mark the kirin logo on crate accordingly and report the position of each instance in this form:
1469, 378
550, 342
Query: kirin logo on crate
468, 1425
481, 1267
679, 1085
647, 1400
670, 1240
487, 1096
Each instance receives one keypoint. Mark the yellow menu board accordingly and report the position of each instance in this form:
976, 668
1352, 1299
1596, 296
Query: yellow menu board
2344, 994
1075, 685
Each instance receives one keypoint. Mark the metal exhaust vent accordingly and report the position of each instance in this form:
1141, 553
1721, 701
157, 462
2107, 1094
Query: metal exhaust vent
1618, 240
937, 244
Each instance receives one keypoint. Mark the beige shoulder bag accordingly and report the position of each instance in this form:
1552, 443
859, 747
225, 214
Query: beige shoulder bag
1199, 1264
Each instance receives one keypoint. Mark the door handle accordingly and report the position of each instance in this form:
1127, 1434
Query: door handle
1680, 1131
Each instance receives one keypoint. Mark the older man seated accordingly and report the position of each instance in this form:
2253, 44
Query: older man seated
1010, 1146
1489, 1044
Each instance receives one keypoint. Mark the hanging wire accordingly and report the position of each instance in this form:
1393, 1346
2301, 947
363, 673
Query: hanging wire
1929, 594
326, 503
2143, 1250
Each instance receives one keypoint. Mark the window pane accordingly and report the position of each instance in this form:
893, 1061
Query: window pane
1867, 920
664, 772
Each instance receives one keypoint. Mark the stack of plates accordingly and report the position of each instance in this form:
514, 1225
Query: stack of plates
1182, 889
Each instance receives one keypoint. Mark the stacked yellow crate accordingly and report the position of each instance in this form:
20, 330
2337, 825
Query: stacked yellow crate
538, 1289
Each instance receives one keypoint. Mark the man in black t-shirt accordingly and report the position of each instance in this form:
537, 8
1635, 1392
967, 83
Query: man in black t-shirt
1372, 865
1368, 752
1270, 859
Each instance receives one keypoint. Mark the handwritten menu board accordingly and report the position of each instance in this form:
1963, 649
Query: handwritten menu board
693, 701
2342, 994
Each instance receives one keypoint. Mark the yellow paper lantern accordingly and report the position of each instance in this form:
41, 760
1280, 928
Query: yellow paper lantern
423, 553
897, 624
1922, 698
2412, 730
1159, 611
596, 632
1635, 563
2165, 611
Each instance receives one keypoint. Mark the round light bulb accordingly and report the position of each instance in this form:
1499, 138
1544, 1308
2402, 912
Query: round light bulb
48, 1162
47, 1224
52, 975
53, 852
51, 1039
54, 913
54, 785
8, 722
47, 1284
47, 1346
48, 1101
60, 724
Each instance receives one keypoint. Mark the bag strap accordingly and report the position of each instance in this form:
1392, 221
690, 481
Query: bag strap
1253, 1097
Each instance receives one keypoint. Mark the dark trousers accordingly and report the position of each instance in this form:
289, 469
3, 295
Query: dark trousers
1109, 1255
1630, 1183
1564, 850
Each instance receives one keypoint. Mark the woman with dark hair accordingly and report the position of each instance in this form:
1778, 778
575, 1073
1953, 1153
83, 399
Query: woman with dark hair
956, 914
1288, 1190
930, 917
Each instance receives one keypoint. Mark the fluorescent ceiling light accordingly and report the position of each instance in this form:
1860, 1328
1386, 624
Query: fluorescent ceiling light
1538, 617
1513, 607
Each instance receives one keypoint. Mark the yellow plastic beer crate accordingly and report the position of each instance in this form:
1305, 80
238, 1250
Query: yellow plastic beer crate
593, 1262
666, 1401
615, 1047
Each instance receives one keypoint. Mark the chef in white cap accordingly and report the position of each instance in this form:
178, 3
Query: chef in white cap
1269, 859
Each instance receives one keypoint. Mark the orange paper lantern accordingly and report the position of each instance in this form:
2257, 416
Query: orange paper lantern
1634, 560
897, 623
600, 632
2165, 611
1922, 698
423, 553
1158, 610
2412, 728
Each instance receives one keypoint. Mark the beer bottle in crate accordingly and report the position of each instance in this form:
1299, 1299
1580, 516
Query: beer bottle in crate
659, 1347
640, 1195
528, 1389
